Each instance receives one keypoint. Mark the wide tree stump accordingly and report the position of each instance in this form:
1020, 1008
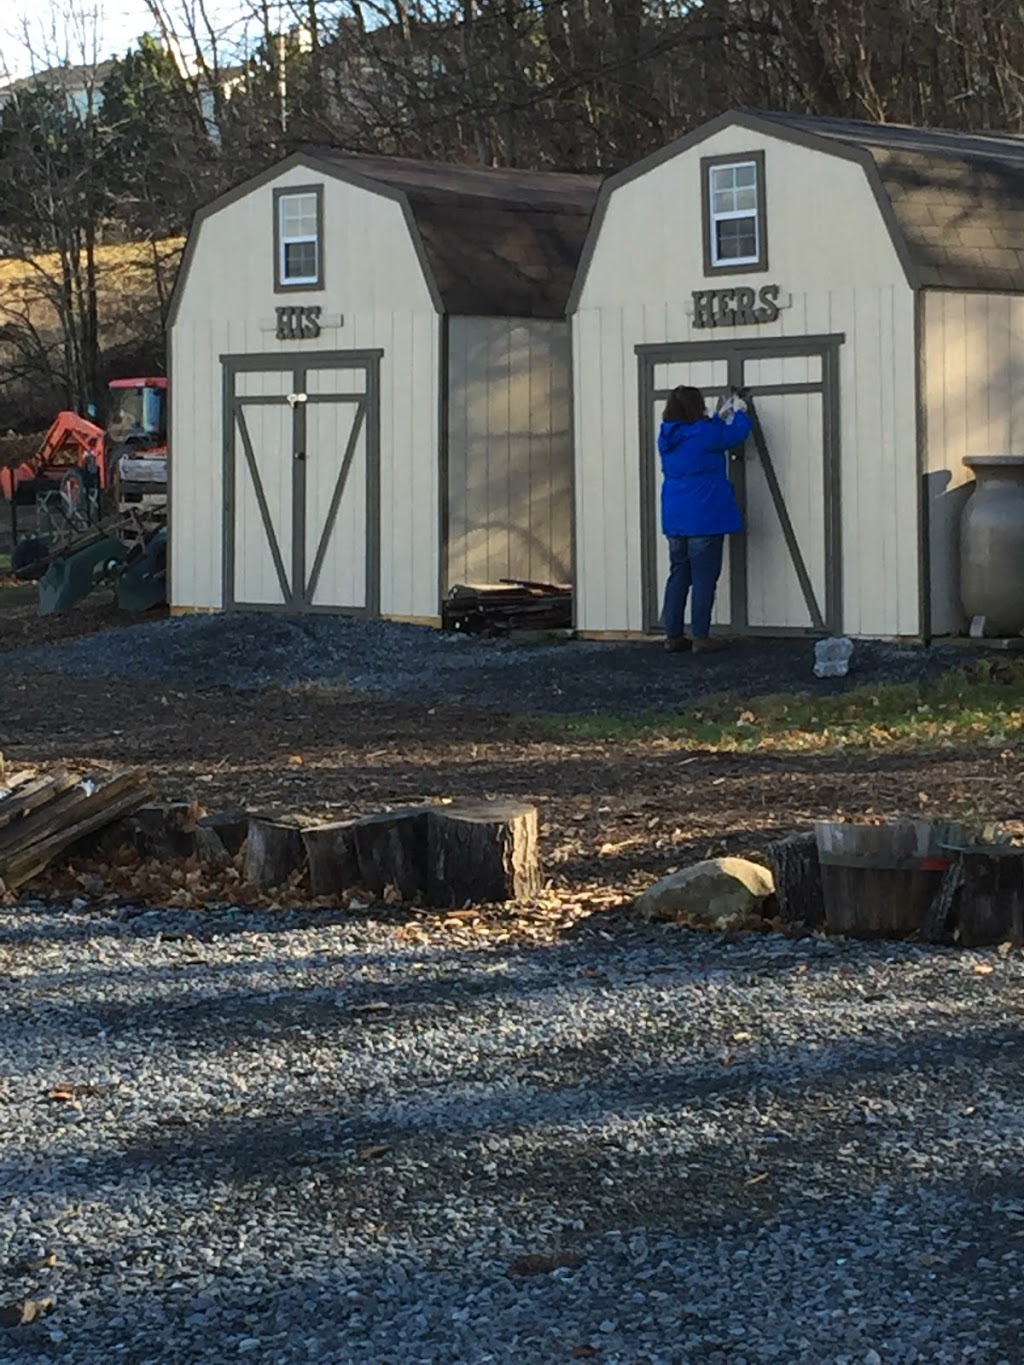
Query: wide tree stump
274, 850
333, 860
163, 831
482, 854
798, 888
219, 837
391, 850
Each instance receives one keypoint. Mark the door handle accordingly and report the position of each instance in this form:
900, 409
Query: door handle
300, 454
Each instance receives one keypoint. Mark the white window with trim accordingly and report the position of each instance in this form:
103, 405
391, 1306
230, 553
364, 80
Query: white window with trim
298, 238
735, 202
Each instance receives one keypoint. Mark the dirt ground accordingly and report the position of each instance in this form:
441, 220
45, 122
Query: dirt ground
614, 815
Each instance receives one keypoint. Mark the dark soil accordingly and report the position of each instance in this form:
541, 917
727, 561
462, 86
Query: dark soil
613, 814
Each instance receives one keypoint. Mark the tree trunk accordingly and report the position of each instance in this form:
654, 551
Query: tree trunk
482, 854
333, 861
220, 837
798, 887
273, 850
991, 906
392, 851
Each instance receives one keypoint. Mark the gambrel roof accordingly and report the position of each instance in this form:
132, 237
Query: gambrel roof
953, 202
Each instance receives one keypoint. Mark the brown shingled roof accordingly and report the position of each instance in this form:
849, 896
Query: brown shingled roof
958, 198
498, 242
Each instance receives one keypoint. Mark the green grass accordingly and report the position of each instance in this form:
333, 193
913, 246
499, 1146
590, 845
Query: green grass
982, 703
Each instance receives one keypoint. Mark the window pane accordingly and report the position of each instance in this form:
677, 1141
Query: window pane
722, 177
723, 201
298, 215
746, 199
300, 260
736, 238
746, 175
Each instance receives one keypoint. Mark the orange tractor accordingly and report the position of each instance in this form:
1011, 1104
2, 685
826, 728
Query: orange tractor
78, 460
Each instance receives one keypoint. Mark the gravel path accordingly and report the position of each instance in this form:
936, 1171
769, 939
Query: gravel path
320, 1140
416, 663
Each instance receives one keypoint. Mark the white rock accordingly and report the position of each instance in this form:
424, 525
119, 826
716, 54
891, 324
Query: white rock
718, 891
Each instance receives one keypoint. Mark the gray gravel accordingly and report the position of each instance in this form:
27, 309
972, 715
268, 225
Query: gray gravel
416, 663
315, 1140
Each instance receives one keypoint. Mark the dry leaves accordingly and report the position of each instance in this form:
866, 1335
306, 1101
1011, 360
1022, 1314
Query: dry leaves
24, 1311
374, 1151
67, 1092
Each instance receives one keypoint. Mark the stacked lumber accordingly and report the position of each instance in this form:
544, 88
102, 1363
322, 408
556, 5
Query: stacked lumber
498, 608
43, 816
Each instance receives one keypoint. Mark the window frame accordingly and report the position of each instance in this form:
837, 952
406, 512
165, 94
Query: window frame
281, 284
734, 267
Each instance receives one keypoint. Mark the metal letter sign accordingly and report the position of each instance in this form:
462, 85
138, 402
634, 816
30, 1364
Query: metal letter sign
735, 307
298, 323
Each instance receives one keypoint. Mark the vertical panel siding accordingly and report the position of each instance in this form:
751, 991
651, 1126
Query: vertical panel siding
509, 451
375, 286
838, 273
974, 405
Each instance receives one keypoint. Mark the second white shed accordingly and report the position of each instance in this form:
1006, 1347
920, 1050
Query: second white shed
371, 386
867, 283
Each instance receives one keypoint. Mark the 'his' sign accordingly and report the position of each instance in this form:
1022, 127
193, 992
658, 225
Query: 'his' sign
298, 323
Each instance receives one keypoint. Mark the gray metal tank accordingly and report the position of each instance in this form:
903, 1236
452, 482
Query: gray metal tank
992, 546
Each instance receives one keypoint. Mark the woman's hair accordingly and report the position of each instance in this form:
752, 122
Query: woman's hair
684, 405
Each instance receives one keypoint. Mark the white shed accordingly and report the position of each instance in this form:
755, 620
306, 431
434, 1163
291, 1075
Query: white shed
371, 386
866, 282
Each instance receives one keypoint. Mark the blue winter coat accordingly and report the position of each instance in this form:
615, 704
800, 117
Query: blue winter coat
696, 495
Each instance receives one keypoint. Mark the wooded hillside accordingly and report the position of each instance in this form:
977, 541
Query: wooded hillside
110, 166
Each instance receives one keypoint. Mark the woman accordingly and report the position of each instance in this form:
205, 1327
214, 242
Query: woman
698, 509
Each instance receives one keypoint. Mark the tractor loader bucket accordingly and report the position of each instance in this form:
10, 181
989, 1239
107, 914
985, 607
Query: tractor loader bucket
143, 584
73, 575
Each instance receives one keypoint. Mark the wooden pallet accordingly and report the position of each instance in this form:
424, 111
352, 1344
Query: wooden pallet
42, 816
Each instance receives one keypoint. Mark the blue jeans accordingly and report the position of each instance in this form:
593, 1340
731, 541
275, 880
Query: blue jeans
695, 562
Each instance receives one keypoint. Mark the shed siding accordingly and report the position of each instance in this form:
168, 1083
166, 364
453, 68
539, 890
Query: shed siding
829, 250
973, 405
375, 285
509, 451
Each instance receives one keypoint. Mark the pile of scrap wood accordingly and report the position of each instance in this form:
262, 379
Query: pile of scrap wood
511, 604
41, 816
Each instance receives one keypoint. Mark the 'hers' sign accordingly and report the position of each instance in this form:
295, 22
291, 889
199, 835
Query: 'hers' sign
741, 307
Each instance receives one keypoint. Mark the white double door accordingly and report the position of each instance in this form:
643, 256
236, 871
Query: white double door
782, 573
301, 518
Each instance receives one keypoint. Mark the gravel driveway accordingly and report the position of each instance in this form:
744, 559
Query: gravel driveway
317, 1139
419, 664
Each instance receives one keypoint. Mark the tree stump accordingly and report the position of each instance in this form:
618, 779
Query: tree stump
482, 854
273, 850
798, 888
391, 850
219, 837
162, 831
991, 903
333, 860
940, 919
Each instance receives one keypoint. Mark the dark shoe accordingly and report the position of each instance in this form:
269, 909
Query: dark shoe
709, 644
677, 644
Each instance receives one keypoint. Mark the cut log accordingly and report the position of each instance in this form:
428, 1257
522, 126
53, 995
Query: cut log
991, 904
482, 854
163, 831
333, 860
273, 850
798, 887
219, 837
392, 851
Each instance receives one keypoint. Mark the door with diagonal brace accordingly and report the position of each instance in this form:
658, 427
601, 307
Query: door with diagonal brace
301, 482
783, 573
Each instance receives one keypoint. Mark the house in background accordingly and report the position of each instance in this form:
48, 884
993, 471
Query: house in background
371, 385
867, 283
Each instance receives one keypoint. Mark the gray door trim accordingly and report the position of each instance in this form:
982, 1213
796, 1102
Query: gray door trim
297, 591
735, 353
